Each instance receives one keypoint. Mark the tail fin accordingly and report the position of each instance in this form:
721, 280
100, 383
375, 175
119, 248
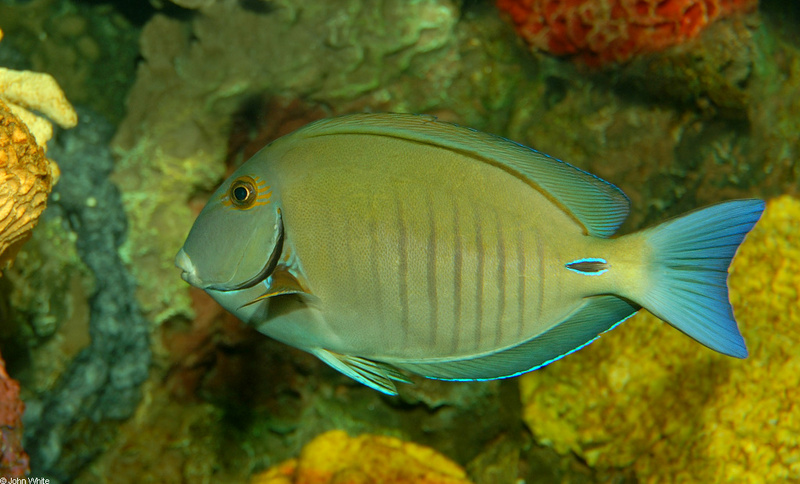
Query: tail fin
689, 270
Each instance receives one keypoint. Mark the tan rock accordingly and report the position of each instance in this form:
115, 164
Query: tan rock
26, 91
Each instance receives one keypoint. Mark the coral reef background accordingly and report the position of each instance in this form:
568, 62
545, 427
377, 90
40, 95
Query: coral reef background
130, 376
605, 31
692, 416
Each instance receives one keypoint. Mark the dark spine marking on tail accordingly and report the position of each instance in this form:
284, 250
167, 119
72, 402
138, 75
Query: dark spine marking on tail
590, 266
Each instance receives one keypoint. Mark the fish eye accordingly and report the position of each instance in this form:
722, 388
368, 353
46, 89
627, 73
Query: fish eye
243, 192
240, 193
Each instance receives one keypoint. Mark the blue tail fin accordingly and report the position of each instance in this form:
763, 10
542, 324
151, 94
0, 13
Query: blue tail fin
689, 272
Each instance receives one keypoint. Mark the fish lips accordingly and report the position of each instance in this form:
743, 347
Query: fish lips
188, 271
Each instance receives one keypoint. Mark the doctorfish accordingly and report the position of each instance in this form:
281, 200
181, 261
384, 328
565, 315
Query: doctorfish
389, 242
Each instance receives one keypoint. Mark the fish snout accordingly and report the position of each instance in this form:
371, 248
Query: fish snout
188, 272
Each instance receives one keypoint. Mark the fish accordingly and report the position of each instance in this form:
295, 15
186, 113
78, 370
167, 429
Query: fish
388, 244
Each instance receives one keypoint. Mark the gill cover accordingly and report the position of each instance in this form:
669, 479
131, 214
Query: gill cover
237, 239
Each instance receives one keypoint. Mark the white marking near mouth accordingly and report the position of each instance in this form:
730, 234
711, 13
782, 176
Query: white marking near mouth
188, 273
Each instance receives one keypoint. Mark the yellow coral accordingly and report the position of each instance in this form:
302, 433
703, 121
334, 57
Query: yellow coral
25, 181
334, 457
26, 176
648, 397
25, 91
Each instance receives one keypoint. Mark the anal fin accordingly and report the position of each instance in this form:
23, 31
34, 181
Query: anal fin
597, 315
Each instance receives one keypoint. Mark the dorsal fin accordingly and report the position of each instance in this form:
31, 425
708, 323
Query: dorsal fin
598, 205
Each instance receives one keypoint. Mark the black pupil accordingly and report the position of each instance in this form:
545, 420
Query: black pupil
240, 193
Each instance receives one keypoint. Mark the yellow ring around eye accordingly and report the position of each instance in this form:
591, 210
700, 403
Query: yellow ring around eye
243, 192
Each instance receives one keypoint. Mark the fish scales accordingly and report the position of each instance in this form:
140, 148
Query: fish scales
404, 206
387, 242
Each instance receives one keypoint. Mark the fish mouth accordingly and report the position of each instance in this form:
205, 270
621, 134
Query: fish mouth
188, 270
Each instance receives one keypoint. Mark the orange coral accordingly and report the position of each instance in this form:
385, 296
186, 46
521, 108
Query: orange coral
26, 178
334, 457
13, 460
603, 31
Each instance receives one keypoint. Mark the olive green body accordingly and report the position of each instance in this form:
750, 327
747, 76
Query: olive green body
417, 252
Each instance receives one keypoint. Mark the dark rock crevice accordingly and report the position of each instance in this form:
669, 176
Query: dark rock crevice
103, 382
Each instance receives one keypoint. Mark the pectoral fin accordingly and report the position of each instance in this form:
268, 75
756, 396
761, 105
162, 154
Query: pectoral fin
371, 373
284, 281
